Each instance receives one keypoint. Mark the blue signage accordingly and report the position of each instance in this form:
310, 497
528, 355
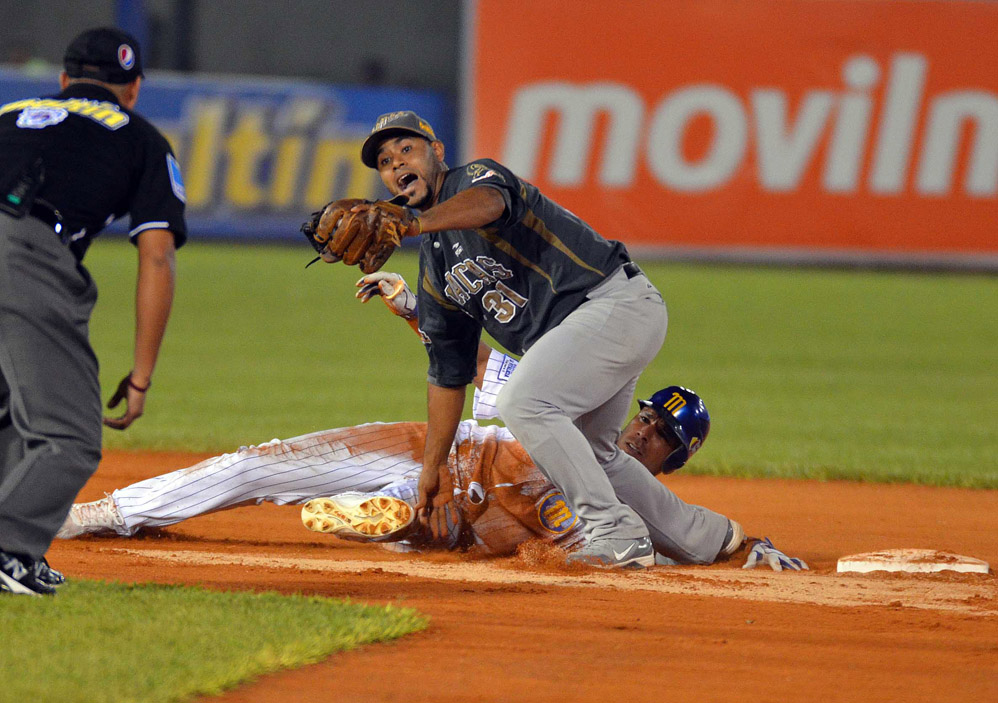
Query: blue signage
256, 156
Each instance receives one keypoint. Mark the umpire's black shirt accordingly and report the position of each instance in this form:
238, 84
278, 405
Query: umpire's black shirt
100, 161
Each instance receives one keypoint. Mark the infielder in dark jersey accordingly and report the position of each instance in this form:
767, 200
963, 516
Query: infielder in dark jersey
360, 482
497, 255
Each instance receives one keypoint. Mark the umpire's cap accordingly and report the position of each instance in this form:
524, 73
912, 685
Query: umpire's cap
105, 54
684, 412
392, 124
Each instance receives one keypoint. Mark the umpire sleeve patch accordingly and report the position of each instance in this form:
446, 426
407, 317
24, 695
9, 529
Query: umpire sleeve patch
176, 179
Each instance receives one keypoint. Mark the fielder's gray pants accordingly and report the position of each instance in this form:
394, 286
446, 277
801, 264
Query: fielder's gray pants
566, 403
50, 408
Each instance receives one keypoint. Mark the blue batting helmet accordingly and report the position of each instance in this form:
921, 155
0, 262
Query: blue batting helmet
684, 412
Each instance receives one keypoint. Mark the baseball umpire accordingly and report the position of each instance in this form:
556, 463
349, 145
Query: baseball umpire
497, 255
70, 164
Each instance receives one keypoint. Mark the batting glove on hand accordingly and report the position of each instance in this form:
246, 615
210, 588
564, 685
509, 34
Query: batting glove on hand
763, 551
393, 291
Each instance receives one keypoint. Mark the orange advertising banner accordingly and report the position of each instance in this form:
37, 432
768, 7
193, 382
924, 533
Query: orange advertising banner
862, 125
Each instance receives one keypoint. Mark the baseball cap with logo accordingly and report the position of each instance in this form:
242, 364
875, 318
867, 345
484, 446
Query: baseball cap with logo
105, 54
393, 124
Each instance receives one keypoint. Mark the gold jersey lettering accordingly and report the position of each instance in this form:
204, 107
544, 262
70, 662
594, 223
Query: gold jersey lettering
103, 113
494, 268
454, 290
470, 283
480, 272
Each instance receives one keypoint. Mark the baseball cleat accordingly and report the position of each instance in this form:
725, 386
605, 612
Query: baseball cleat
615, 554
46, 574
358, 516
21, 576
94, 518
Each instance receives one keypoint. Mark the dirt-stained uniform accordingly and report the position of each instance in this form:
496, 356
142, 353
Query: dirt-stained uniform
502, 497
544, 284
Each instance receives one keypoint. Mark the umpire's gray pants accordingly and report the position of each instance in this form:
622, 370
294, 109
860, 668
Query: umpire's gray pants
50, 409
571, 393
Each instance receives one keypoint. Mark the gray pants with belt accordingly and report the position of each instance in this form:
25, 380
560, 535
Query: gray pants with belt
566, 403
50, 407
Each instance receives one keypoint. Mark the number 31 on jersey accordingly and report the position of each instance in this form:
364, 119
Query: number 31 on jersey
484, 274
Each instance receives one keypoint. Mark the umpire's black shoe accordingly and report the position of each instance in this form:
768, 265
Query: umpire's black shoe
23, 577
46, 574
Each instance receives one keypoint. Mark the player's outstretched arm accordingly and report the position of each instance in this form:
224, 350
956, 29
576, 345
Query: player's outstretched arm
762, 551
468, 209
444, 409
399, 298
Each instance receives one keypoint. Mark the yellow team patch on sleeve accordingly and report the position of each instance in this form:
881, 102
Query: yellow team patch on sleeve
102, 112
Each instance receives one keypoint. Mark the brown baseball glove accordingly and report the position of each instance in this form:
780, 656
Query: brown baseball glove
361, 232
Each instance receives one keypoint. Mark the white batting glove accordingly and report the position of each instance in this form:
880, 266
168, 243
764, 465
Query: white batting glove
393, 291
763, 551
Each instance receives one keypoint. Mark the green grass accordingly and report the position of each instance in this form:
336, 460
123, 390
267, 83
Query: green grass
807, 373
99, 642
831, 374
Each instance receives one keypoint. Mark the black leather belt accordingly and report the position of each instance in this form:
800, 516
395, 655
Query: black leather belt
631, 269
48, 215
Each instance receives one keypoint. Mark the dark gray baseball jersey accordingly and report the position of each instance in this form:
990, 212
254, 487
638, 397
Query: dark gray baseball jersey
516, 278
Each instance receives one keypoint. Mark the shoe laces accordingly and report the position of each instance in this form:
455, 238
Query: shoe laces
102, 513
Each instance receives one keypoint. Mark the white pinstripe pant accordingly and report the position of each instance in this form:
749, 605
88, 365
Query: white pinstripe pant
364, 458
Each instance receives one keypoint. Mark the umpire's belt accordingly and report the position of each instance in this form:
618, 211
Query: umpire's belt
45, 213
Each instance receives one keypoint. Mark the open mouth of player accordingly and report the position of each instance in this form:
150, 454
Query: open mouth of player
632, 450
406, 182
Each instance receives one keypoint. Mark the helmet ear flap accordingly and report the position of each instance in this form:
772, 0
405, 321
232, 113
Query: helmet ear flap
681, 454
676, 460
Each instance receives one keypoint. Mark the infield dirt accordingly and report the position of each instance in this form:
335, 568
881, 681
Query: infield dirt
527, 628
